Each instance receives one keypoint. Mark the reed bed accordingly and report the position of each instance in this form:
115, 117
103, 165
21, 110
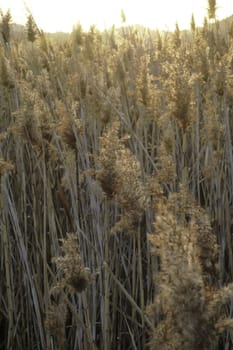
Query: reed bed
116, 174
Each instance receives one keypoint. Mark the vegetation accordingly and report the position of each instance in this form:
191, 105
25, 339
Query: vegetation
116, 172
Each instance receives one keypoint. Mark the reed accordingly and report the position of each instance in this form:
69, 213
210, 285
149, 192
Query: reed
116, 177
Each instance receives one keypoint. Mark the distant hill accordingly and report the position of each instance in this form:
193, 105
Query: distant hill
19, 32
225, 24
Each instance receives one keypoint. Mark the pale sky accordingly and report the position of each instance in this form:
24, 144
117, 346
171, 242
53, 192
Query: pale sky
59, 15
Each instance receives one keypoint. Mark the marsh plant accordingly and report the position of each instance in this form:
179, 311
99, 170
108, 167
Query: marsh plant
116, 173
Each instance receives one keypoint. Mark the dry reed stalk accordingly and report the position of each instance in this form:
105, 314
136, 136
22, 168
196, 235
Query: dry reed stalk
7, 264
106, 284
141, 284
24, 259
89, 338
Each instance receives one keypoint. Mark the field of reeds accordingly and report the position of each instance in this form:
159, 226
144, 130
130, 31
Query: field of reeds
116, 194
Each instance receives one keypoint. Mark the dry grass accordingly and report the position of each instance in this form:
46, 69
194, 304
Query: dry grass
126, 142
